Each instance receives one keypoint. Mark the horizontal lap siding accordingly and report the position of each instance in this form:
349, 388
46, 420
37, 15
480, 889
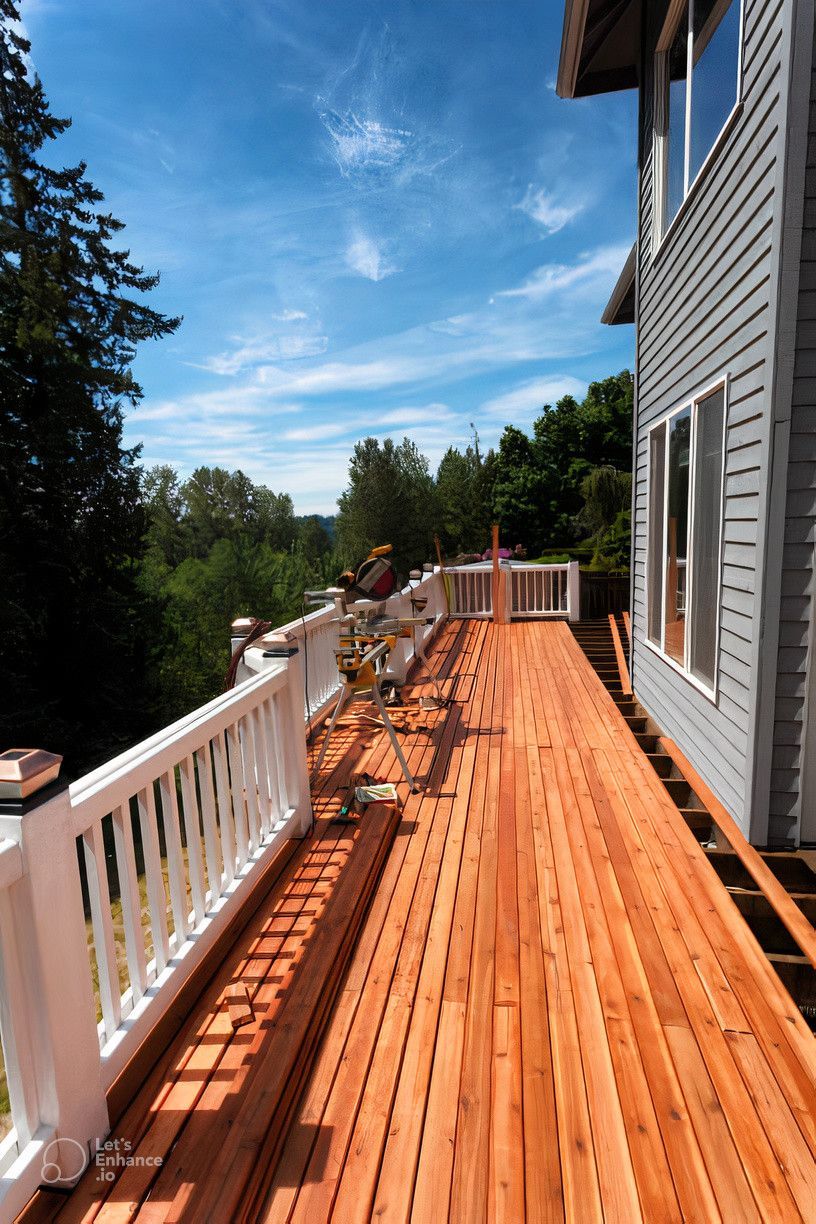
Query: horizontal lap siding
800, 533
705, 310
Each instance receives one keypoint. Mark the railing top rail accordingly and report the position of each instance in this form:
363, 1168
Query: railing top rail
517, 567
522, 567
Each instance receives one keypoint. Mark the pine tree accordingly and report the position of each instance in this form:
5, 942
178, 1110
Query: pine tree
71, 316
390, 499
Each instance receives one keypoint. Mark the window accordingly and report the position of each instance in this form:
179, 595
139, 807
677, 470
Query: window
696, 88
684, 533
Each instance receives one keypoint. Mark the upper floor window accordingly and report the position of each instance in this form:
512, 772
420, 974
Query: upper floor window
697, 70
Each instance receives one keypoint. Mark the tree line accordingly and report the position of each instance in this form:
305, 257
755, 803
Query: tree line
119, 584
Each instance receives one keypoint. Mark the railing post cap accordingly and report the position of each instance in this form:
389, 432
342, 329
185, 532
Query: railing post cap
25, 771
279, 645
241, 626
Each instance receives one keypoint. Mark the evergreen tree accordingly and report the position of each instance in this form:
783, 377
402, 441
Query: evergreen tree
537, 491
71, 316
464, 488
313, 539
390, 499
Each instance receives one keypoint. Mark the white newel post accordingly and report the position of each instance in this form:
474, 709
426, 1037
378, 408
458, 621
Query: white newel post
47, 924
298, 793
574, 591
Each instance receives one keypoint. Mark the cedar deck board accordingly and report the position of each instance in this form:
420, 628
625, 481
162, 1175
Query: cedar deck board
553, 1009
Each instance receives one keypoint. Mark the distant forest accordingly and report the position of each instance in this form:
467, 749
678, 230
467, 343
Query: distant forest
119, 583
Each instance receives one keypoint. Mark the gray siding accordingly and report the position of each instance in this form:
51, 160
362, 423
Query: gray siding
706, 308
796, 605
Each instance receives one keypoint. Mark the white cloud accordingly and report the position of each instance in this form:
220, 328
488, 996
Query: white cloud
415, 416
590, 273
289, 341
313, 433
527, 336
529, 397
290, 316
366, 257
543, 207
360, 143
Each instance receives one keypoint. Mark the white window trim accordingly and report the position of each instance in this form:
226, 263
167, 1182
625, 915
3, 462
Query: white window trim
661, 228
692, 402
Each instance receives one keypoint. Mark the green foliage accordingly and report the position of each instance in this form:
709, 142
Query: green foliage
537, 494
199, 599
218, 547
71, 524
390, 499
607, 516
464, 487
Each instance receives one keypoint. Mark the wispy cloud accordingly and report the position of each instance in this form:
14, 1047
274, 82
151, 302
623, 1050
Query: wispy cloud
373, 137
363, 144
590, 269
530, 396
367, 257
314, 433
290, 340
547, 210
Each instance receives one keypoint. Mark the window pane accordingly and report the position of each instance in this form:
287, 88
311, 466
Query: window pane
708, 465
714, 77
675, 162
657, 488
677, 535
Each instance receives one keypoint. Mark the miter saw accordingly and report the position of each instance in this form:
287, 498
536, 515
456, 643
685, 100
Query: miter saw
367, 638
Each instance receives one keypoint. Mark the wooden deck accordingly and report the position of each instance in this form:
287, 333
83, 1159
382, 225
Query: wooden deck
552, 1010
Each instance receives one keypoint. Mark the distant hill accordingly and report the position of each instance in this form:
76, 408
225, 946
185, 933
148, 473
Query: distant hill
326, 521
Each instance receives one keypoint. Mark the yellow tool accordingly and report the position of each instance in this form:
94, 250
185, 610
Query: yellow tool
362, 652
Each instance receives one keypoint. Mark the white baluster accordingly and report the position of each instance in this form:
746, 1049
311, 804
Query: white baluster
260, 748
271, 725
175, 856
211, 846
110, 995
250, 783
130, 899
238, 796
195, 866
225, 820
156, 898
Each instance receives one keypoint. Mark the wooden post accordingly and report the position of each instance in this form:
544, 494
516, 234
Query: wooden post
443, 576
574, 591
498, 594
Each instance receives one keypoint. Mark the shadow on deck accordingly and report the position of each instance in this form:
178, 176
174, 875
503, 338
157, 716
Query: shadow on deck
532, 999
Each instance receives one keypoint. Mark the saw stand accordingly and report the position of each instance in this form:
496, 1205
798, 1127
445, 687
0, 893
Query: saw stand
347, 694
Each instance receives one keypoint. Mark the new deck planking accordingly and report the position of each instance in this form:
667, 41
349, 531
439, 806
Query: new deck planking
553, 1009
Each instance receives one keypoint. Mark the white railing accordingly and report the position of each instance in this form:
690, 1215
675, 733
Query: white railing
164, 843
529, 591
542, 590
160, 846
471, 590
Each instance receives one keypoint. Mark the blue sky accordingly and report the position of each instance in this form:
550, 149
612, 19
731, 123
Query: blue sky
375, 216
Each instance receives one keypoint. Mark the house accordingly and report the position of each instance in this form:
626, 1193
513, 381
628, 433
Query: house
721, 287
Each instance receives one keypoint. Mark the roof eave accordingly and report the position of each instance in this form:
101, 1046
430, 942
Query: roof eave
621, 306
588, 24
